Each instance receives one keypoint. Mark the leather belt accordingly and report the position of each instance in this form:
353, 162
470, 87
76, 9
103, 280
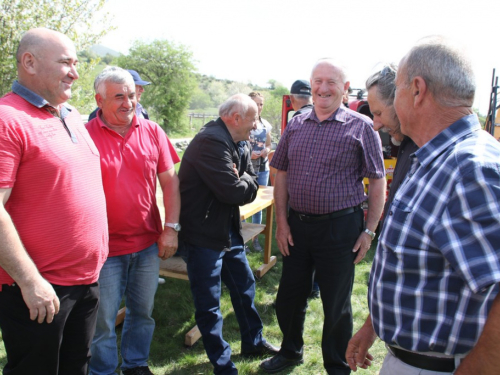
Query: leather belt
424, 362
312, 218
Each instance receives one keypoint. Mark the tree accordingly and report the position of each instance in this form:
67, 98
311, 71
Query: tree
75, 18
170, 69
272, 108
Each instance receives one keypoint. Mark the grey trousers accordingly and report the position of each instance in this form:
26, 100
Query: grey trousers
394, 366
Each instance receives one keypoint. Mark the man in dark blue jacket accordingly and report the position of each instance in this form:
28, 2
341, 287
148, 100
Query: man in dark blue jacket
216, 177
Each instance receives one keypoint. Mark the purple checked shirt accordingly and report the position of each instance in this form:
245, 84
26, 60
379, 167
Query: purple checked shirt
327, 161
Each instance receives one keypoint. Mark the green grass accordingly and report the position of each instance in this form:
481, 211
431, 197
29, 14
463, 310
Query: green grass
174, 315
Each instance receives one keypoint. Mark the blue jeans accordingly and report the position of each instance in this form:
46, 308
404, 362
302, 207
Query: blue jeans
206, 268
262, 179
134, 276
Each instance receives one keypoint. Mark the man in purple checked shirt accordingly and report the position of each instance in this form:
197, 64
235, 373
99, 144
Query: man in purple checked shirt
322, 159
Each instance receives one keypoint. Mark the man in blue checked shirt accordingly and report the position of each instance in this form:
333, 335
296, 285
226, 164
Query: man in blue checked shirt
433, 293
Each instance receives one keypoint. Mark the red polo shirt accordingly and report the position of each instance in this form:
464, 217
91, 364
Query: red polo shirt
56, 203
129, 167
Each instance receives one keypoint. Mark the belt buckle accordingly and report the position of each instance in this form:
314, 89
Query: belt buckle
302, 217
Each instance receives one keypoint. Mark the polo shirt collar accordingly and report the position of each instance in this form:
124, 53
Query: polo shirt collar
459, 129
135, 120
36, 99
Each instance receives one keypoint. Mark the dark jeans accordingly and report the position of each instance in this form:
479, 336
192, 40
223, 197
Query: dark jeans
59, 348
327, 247
206, 268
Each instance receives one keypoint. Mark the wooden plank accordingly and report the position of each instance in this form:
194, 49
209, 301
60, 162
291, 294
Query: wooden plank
174, 267
249, 230
120, 316
192, 336
261, 271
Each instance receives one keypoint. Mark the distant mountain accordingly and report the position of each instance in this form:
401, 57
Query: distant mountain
102, 51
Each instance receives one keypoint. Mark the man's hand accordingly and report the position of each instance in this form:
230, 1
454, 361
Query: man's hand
357, 349
235, 170
362, 246
41, 299
263, 153
167, 243
255, 155
284, 238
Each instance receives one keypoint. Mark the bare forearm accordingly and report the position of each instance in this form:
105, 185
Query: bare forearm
281, 197
484, 359
169, 183
13, 257
376, 200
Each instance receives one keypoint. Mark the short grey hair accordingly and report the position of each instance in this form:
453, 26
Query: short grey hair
113, 74
239, 103
302, 97
332, 62
446, 70
385, 80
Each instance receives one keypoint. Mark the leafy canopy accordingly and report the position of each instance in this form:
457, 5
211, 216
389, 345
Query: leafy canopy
75, 18
170, 70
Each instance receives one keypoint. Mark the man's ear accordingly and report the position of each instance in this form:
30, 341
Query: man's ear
419, 90
236, 118
98, 100
28, 62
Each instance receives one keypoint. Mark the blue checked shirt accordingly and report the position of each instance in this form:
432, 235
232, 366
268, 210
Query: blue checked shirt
437, 266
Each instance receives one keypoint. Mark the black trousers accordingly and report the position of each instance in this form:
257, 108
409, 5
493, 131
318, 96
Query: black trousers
59, 348
327, 247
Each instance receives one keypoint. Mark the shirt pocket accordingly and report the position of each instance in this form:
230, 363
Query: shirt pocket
397, 223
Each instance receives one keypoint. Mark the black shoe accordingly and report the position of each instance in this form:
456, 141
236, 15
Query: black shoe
142, 370
279, 363
262, 350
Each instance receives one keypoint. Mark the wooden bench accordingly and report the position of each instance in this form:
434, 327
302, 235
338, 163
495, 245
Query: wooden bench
175, 267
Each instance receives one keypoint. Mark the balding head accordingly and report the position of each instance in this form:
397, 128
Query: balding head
445, 68
240, 114
46, 64
328, 86
39, 40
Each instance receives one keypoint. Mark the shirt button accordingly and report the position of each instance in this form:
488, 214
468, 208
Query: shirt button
390, 213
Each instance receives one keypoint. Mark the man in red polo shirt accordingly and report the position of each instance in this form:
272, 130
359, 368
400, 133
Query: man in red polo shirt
133, 152
53, 231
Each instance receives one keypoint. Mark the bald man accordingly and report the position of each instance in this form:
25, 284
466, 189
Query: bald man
52, 215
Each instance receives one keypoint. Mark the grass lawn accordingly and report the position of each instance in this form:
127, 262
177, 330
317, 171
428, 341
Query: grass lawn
174, 315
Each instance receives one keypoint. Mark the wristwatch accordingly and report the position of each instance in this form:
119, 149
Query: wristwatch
174, 226
368, 232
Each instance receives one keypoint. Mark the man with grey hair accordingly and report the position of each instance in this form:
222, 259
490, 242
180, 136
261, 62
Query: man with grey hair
322, 159
216, 177
433, 293
300, 97
140, 111
53, 230
381, 87
133, 153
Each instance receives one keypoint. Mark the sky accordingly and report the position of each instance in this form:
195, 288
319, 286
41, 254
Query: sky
261, 40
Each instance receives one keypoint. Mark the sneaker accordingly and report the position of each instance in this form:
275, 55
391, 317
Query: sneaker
161, 281
142, 370
256, 245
